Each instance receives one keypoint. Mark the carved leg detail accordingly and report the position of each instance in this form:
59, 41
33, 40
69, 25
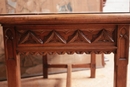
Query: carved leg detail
12, 59
121, 57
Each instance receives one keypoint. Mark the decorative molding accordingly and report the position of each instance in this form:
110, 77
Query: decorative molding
9, 39
79, 36
104, 3
103, 37
54, 37
68, 52
30, 37
123, 33
123, 38
8, 34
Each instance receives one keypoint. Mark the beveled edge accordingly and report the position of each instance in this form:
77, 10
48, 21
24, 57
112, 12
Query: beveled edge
66, 18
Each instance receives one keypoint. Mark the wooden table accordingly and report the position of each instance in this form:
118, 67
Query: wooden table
66, 33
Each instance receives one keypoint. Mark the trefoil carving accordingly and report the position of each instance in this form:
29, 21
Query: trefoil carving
124, 33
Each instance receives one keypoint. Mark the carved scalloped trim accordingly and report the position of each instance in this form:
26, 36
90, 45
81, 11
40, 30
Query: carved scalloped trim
68, 52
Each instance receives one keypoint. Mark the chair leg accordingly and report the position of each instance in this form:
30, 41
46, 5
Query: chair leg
69, 69
93, 65
45, 66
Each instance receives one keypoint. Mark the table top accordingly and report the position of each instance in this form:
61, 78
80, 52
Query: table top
63, 18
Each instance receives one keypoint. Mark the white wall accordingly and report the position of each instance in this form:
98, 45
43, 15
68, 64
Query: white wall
117, 6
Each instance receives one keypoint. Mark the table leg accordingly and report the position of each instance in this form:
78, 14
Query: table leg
121, 56
93, 65
45, 66
11, 58
13, 72
69, 70
120, 73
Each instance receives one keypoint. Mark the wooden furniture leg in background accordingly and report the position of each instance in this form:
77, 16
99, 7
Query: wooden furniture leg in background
103, 60
93, 65
45, 67
69, 70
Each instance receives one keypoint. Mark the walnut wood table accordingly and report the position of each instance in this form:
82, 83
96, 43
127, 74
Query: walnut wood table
66, 33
